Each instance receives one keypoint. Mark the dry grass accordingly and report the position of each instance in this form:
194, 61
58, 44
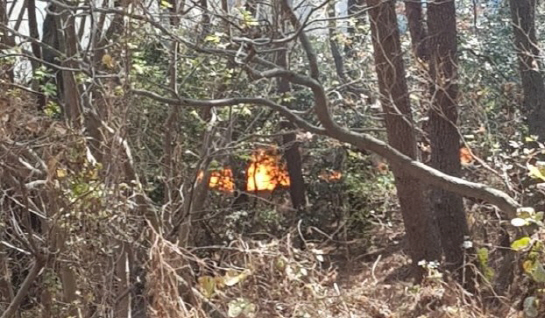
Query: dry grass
274, 279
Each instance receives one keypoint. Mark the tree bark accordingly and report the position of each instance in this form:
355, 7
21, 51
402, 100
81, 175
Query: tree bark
51, 36
6, 41
444, 137
524, 29
413, 10
295, 171
333, 42
289, 141
68, 44
419, 223
36, 50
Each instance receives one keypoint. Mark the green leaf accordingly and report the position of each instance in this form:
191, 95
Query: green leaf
530, 307
538, 272
166, 4
521, 243
208, 285
138, 68
212, 38
535, 172
482, 256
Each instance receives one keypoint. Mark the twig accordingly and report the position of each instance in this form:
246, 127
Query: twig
23, 291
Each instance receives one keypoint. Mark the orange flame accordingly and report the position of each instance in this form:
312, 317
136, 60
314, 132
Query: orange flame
265, 174
221, 180
330, 175
465, 156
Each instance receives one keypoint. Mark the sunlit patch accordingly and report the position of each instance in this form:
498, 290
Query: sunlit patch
265, 172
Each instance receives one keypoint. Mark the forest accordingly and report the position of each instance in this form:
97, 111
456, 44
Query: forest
272, 158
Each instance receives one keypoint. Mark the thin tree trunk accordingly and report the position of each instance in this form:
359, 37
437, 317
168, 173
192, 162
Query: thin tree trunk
523, 16
289, 141
413, 10
333, 42
6, 41
21, 15
205, 20
51, 35
33, 31
67, 43
444, 136
295, 170
291, 149
419, 223
171, 183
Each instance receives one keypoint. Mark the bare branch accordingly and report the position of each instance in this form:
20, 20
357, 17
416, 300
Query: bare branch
188, 102
23, 291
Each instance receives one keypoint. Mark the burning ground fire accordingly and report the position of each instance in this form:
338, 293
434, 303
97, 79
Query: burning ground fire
264, 173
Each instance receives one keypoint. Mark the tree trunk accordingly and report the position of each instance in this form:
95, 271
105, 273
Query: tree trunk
51, 37
419, 223
413, 10
333, 42
289, 142
523, 15
293, 160
6, 42
36, 50
68, 43
444, 136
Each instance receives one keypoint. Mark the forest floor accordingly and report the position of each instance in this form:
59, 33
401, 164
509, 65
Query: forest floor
338, 280
379, 284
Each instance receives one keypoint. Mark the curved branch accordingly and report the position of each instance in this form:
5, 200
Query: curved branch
188, 102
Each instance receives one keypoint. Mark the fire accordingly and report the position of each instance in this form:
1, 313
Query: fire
221, 180
465, 156
265, 174
330, 175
